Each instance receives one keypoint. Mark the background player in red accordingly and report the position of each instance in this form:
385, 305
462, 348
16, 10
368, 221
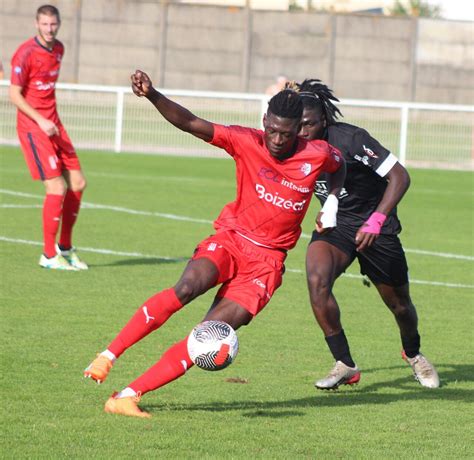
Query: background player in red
275, 174
367, 229
47, 149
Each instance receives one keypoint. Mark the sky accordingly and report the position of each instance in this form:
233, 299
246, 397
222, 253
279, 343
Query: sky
456, 9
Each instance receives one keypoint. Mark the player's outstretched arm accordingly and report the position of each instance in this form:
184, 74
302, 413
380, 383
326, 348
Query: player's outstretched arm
177, 115
398, 183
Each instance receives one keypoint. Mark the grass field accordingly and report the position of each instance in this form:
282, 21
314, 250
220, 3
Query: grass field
141, 219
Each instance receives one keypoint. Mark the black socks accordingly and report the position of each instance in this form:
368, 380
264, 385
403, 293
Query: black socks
411, 345
340, 348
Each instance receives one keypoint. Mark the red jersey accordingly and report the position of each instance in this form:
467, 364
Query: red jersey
272, 196
36, 69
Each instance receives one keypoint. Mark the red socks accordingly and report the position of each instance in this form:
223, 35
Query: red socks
52, 209
55, 209
150, 316
71, 205
173, 364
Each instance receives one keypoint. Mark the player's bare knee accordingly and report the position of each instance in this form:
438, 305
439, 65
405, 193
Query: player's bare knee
319, 288
55, 187
82, 185
401, 309
79, 185
186, 290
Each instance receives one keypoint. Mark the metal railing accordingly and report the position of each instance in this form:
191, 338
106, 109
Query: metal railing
112, 118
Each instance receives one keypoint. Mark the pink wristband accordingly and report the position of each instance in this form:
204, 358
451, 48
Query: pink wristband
374, 223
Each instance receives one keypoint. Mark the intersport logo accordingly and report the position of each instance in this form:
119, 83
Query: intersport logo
277, 200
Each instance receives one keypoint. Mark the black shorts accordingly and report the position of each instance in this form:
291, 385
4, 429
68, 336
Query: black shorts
384, 262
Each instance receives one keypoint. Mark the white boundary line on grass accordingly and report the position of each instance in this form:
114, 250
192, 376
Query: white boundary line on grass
431, 283
87, 205
150, 256
98, 250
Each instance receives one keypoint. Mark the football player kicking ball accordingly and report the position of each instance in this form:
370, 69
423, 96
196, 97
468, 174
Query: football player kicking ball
47, 149
276, 172
367, 229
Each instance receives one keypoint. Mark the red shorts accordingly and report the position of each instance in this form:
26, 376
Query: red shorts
249, 274
47, 157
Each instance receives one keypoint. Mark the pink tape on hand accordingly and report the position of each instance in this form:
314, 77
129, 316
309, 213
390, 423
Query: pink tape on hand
374, 223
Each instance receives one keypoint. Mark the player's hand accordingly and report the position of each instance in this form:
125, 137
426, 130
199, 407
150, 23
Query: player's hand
326, 219
141, 83
48, 127
319, 225
364, 240
369, 231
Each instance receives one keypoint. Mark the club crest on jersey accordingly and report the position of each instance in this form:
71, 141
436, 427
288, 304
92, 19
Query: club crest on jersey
212, 247
305, 168
369, 152
17, 69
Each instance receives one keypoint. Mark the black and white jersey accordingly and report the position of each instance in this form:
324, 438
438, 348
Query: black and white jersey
368, 162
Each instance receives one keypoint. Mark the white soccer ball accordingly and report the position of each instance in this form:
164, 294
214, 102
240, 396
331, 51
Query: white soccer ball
213, 345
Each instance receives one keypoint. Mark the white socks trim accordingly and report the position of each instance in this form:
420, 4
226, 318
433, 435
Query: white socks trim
126, 393
110, 355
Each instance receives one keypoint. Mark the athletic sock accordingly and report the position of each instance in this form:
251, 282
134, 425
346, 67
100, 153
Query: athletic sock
126, 393
340, 348
150, 316
173, 364
411, 345
71, 205
109, 355
52, 209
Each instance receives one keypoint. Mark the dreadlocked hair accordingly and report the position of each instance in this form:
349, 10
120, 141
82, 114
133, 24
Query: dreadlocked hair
286, 104
316, 95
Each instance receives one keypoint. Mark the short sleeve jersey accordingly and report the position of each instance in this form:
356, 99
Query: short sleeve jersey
36, 69
367, 163
272, 196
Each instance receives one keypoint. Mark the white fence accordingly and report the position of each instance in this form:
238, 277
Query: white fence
112, 118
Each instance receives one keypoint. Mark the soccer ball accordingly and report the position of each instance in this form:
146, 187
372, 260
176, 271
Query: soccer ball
213, 345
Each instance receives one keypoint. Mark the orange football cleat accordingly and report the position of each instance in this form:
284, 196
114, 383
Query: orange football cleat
125, 406
98, 369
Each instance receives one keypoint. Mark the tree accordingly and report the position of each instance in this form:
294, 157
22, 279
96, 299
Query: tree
417, 8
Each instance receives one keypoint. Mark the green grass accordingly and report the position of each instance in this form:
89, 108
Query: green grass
54, 323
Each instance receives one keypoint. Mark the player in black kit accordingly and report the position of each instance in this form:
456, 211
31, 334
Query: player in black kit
367, 230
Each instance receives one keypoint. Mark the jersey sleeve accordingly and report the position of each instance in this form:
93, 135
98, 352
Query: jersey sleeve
371, 153
232, 139
20, 67
334, 159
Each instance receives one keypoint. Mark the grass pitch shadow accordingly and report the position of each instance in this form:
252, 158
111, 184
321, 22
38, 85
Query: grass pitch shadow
141, 261
405, 389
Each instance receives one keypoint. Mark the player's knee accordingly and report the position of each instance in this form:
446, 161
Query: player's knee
55, 187
401, 309
79, 185
319, 288
82, 185
186, 290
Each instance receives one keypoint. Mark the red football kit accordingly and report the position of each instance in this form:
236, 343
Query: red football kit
253, 234
255, 231
36, 69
